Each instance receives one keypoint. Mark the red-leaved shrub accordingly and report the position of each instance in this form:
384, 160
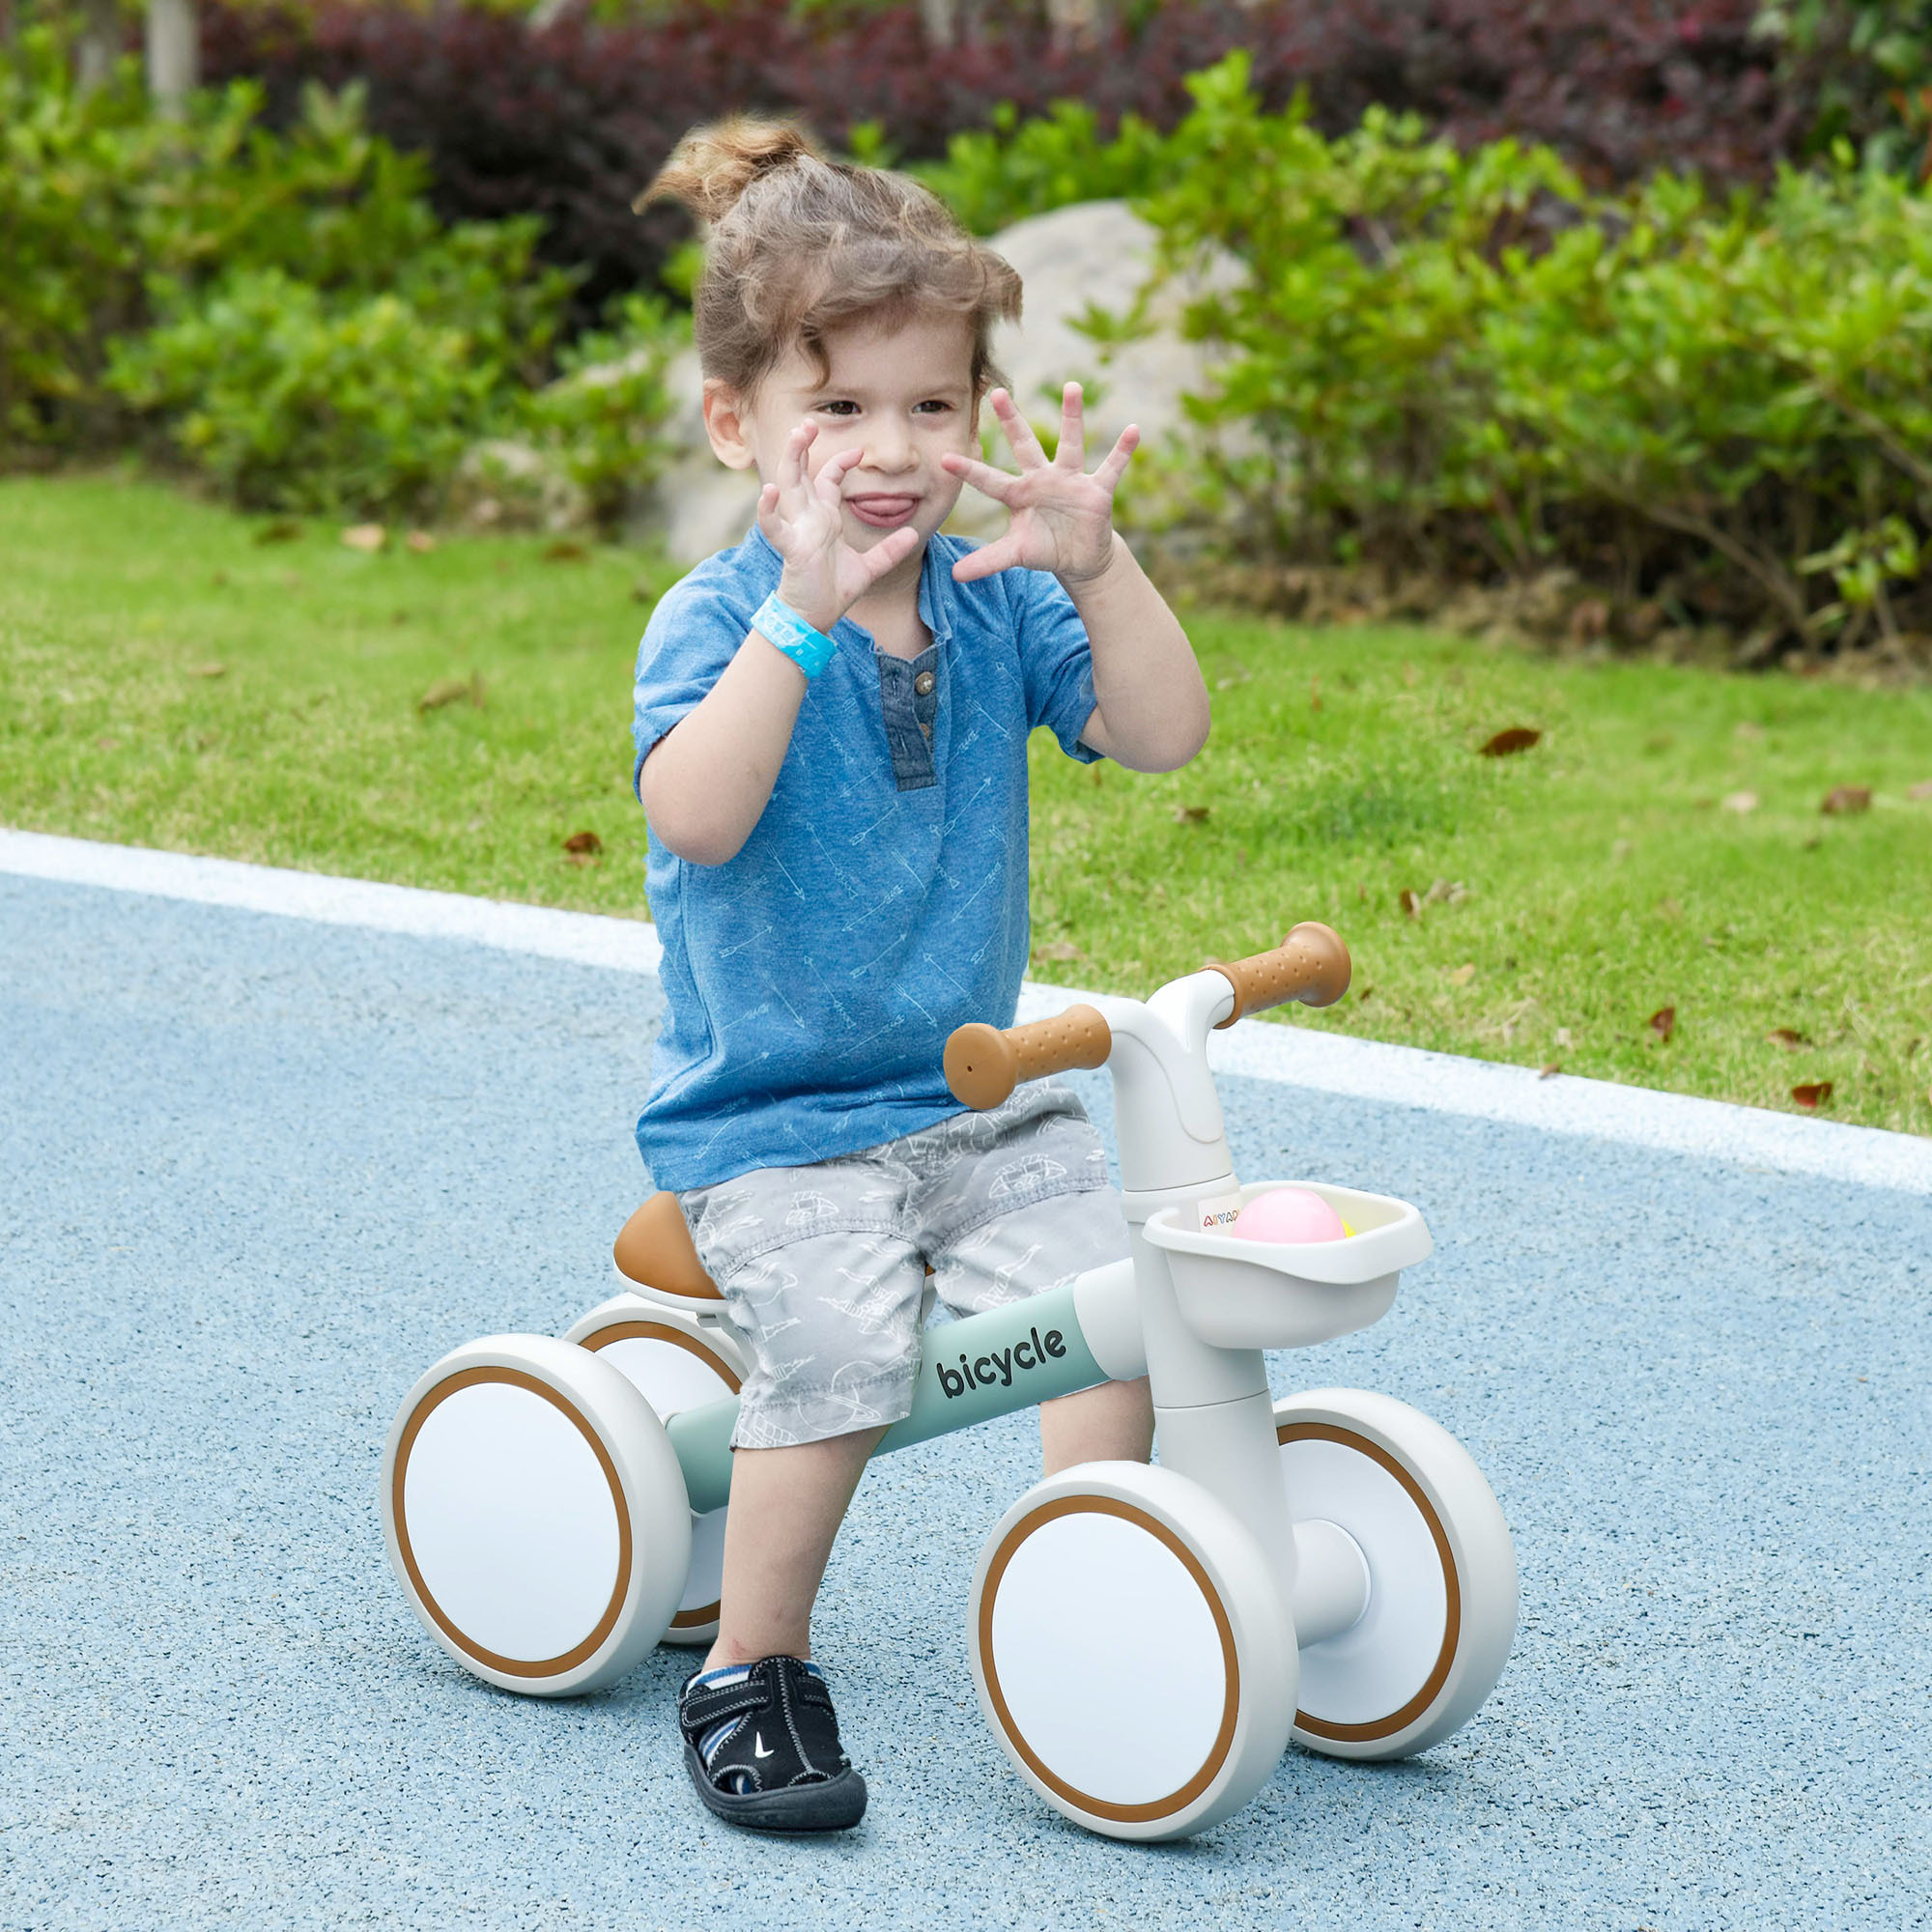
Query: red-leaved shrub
571, 121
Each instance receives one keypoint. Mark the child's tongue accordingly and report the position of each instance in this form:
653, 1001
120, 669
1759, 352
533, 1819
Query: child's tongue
882, 513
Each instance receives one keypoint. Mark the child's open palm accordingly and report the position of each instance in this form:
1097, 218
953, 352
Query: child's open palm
823, 575
1060, 519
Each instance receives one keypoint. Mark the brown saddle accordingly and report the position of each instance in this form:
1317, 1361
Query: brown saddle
655, 1250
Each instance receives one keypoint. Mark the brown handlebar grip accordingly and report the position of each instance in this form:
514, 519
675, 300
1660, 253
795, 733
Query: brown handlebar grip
984, 1064
1310, 965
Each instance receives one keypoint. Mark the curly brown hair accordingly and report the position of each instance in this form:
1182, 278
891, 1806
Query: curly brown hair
801, 245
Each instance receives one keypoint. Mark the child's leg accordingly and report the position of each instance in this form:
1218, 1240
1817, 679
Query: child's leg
814, 1271
1015, 1201
786, 1506
1113, 1423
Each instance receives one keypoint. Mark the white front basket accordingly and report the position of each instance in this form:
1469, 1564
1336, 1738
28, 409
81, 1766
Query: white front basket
1238, 1293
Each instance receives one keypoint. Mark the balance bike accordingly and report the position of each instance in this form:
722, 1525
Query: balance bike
1144, 1640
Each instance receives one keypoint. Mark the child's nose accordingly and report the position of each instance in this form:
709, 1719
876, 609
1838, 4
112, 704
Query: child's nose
889, 447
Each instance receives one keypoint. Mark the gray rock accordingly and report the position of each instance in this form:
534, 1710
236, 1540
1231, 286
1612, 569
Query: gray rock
502, 485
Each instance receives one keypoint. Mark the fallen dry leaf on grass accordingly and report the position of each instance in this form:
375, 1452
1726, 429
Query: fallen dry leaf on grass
284, 529
1663, 1022
1446, 891
1550, 1072
1410, 902
447, 690
1813, 1094
1739, 801
1847, 798
1788, 1038
370, 537
1506, 744
1464, 973
1191, 814
583, 848
208, 671
564, 550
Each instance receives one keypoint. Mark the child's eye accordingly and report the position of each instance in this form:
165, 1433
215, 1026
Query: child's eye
937, 403
840, 406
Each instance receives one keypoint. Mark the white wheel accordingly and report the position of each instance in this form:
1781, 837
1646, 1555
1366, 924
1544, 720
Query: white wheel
536, 1515
676, 1361
1131, 1651
1440, 1615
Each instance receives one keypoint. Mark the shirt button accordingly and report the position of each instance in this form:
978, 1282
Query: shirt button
923, 683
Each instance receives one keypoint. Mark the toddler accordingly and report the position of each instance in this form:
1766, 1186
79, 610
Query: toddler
832, 725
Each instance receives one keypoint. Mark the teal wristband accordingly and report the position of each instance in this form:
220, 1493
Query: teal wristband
809, 649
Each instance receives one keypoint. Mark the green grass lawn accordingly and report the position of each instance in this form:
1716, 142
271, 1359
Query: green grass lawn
171, 680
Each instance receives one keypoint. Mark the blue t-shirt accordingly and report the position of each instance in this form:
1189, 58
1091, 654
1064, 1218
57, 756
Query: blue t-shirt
881, 899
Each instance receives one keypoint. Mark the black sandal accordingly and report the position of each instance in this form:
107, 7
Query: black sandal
761, 1744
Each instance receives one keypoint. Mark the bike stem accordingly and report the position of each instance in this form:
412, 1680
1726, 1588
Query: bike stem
1213, 1415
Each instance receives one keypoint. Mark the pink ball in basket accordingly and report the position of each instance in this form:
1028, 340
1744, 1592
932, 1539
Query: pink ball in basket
1288, 1215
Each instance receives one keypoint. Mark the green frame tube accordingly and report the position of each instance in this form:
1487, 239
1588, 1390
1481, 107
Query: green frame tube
987, 1364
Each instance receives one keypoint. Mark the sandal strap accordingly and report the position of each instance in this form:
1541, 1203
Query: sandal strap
702, 1706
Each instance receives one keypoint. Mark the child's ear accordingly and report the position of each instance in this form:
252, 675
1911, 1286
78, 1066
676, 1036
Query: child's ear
727, 423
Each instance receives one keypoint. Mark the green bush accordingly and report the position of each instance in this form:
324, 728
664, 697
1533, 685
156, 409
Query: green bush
294, 402
1019, 168
602, 419
1867, 64
286, 311
1466, 362
110, 213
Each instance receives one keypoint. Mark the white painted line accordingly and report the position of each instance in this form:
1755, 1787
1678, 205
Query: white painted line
1749, 1137
589, 939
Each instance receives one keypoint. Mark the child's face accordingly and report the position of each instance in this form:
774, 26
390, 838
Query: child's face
903, 395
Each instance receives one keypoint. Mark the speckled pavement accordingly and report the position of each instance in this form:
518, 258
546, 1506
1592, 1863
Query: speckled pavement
256, 1173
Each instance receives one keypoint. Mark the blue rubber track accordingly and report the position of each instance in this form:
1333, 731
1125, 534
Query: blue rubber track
256, 1173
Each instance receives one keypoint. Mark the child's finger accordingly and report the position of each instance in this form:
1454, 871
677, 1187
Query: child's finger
889, 554
988, 560
998, 484
1110, 472
791, 465
768, 512
833, 472
1072, 451
1019, 433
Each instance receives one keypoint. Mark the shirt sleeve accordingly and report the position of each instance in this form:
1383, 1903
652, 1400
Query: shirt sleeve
692, 635
1056, 660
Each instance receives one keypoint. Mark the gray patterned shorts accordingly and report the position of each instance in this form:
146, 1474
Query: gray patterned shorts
824, 1266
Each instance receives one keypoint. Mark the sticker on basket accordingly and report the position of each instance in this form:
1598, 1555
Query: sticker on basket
1218, 1212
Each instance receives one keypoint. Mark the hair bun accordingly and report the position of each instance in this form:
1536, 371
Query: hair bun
713, 165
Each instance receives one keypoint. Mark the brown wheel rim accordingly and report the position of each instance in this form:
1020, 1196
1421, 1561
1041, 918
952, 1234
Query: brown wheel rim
1224, 1737
1377, 1728
511, 1666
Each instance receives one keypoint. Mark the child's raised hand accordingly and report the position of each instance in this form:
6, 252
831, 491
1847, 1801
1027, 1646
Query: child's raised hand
823, 575
1062, 518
